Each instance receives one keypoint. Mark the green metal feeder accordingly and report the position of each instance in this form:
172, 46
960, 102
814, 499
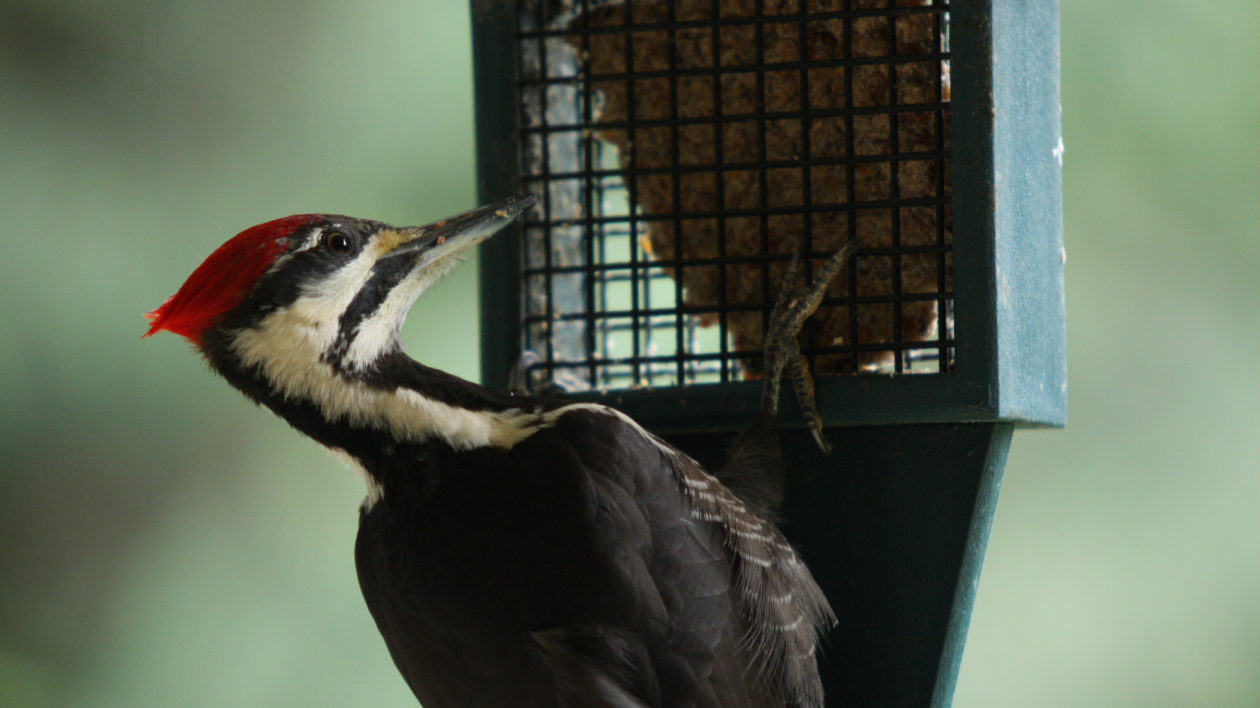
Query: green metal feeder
681, 150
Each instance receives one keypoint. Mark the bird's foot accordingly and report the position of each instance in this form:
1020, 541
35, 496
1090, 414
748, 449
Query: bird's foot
792, 307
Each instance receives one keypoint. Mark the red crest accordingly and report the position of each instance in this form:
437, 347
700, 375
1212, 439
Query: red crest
224, 280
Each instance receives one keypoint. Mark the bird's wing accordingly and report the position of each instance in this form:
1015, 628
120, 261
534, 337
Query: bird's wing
722, 568
785, 609
591, 564
696, 565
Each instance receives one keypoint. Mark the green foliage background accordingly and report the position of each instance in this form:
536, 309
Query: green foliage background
162, 542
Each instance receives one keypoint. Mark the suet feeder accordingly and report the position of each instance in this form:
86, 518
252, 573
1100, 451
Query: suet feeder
682, 151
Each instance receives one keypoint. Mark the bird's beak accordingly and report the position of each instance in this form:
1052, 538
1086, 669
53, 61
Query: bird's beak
453, 235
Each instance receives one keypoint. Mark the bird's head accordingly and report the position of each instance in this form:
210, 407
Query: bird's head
316, 288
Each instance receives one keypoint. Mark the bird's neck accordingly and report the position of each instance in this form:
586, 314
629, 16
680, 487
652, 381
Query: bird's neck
373, 411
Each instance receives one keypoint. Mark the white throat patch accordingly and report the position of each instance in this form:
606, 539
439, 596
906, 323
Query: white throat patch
289, 346
288, 352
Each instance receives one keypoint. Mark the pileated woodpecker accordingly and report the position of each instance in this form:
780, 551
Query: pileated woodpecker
513, 550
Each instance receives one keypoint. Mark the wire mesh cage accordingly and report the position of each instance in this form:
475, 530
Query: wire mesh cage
682, 150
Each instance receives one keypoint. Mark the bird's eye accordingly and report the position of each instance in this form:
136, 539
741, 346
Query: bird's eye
337, 243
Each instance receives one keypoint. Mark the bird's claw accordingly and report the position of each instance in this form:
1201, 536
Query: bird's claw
792, 307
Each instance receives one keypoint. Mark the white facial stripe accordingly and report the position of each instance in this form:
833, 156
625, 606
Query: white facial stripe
317, 312
289, 345
288, 348
310, 322
378, 333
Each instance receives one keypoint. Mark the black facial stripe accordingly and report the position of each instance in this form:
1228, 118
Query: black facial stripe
303, 262
385, 276
279, 289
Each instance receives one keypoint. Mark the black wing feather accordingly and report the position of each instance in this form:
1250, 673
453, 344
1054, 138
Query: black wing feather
623, 574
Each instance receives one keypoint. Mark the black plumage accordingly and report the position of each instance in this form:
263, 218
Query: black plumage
609, 584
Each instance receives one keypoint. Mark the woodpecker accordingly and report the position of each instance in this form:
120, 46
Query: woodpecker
514, 550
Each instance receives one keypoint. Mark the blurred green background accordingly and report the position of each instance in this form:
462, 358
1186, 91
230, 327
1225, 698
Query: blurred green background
163, 542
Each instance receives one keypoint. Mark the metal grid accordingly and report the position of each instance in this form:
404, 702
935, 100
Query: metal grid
682, 150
